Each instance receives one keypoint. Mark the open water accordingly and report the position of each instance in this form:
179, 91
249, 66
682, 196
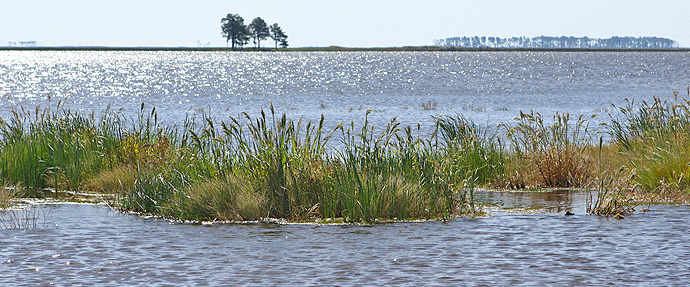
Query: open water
79, 244
526, 241
488, 87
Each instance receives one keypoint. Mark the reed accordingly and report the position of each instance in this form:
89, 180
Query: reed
393, 174
649, 120
275, 159
429, 105
654, 139
613, 195
21, 219
47, 147
276, 167
473, 151
367, 166
281, 156
557, 151
663, 161
8, 193
271, 166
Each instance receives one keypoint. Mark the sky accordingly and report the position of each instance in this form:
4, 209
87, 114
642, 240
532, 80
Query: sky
320, 23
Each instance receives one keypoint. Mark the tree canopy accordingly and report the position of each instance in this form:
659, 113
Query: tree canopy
278, 36
236, 32
259, 31
557, 42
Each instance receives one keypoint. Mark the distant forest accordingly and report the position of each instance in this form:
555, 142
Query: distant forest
557, 42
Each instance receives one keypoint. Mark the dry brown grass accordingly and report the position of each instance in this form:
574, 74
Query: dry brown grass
8, 192
556, 152
117, 180
665, 193
565, 168
562, 167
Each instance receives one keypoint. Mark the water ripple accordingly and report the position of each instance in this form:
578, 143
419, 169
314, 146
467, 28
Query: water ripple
489, 87
87, 244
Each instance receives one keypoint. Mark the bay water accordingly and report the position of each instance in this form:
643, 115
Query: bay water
525, 240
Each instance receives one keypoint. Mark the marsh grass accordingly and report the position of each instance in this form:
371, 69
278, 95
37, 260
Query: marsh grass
8, 193
649, 120
654, 138
429, 105
518, 173
271, 166
556, 151
249, 168
224, 199
372, 165
47, 147
474, 154
153, 190
613, 198
21, 218
613, 195
663, 162
116, 180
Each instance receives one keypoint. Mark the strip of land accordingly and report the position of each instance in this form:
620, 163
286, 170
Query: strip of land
341, 49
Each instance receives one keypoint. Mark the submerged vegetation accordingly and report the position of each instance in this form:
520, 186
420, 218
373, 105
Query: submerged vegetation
271, 166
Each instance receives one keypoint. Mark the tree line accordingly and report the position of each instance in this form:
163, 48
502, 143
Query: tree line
236, 32
557, 42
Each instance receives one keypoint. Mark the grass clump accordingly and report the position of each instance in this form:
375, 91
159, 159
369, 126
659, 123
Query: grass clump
8, 193
656, 139
41, 148
557, 152
650, 148
274, 167
613, 195
429, 105
224, 199
249, 168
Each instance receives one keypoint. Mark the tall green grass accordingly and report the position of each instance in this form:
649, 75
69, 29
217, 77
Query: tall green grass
655, 138
248, 168
48, 147
271, 166
60, 148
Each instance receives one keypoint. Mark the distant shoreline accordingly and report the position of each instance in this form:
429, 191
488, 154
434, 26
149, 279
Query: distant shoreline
342, 49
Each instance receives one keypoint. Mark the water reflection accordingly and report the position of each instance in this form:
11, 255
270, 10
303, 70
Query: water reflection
548, 201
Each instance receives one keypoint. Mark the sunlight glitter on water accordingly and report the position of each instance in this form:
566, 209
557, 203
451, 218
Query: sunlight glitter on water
97, 245
341, 85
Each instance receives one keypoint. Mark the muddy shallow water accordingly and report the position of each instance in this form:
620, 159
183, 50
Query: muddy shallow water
92, 244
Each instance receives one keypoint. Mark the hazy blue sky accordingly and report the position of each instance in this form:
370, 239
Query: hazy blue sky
351, 23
